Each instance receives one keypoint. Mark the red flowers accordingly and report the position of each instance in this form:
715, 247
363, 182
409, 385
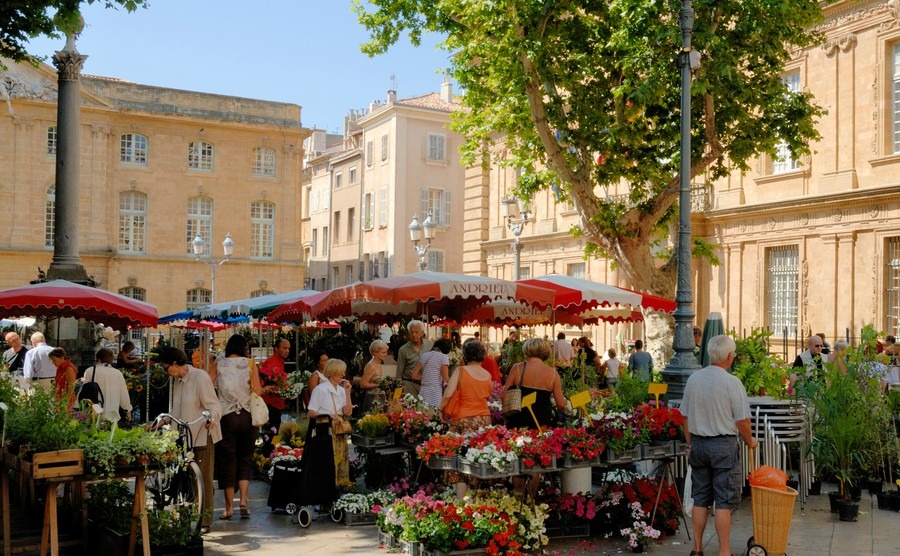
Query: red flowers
662, 423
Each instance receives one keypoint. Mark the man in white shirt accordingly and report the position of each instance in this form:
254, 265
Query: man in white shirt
112, 385
38, 368
562, 352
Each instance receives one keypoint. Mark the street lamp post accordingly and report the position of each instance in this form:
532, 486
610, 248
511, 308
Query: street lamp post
518, 214
683, 363
199, 246
418, 232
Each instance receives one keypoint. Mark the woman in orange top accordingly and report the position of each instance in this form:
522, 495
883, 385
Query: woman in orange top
65, 377
475, 386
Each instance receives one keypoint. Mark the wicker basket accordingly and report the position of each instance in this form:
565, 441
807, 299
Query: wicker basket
772, 512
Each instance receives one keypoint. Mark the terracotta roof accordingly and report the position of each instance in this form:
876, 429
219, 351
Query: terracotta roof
432, 101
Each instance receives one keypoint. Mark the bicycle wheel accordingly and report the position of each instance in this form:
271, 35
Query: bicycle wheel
187, 493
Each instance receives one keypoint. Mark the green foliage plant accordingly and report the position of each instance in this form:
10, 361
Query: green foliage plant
170, 528
109, 504
758, 370
630, 393
40, 423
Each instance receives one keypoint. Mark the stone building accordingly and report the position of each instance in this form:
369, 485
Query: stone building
396, 160
813, 245
158, 167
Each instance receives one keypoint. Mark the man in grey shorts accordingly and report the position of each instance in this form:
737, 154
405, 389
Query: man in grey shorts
716, 412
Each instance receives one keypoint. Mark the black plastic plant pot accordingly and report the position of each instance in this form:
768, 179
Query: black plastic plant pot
848, 511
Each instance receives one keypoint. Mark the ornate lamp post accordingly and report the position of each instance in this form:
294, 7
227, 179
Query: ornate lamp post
418, 232
518, 214
683, 363
199, 246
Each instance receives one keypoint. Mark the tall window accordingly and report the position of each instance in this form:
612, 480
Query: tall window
384, 147
337, 227
575, 270
435, 260
437, 147
325, 241
314, 248
198, 297
264, 162
133, 149
348, 274
134, 292
200, 155
369, 208
262, 229
314, 201
370, 152
338, 180
352, 177
382, 207
351, 223
782, 289
50, 216
385, 264
438, 202
524, 273
51, 140
199, 222
892, 282
132, 222
335, 276
896, 96
784, 161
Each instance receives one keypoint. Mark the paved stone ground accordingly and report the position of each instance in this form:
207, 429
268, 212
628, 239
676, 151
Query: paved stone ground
814, 532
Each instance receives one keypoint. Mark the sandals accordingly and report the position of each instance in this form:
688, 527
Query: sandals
696, 553
226, 516
245, 512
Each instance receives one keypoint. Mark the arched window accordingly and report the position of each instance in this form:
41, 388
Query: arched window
262, 229
198, 297
264, 162
50, 216
132, 222
261, 293
199, 221
133, 149
134, 292
200, 155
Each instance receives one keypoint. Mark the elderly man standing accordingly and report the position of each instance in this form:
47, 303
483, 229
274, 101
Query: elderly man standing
15, 355
408, 356
37, 367
562, 351
192, 394
809, 364
716, 412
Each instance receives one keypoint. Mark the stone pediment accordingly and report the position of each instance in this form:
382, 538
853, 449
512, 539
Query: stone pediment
24, 81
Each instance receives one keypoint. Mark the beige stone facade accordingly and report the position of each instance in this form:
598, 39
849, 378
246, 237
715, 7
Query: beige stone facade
158, 166
397, 159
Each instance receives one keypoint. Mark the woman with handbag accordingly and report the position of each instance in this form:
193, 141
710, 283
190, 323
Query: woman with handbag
331, 399
235, 377
465, 401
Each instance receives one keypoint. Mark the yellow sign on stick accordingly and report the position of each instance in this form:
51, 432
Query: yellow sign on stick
527, 402
397, 393
657, 389
581, 400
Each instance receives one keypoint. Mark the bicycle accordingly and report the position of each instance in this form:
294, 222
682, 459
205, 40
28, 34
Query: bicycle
178, 485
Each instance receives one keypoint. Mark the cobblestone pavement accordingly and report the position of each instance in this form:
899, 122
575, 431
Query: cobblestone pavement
814, 532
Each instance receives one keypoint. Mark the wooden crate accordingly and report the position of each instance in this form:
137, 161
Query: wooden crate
62, 463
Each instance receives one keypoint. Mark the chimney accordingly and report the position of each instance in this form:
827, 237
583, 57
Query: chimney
447, 90
392, 97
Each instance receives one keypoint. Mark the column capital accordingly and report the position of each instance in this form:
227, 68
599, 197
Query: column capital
69, 64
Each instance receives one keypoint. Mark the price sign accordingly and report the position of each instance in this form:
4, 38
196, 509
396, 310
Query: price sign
581, 400
398, 392
657, 389
527, 402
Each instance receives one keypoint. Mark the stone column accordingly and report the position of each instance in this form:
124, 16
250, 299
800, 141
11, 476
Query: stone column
66, 263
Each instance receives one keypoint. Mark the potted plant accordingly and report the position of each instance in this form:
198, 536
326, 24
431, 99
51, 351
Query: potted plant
109, 506
39, 423
761, 374
373, 431
174, 534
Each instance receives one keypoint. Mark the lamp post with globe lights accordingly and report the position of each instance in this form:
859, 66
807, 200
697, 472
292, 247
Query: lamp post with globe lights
199, 247
418, 232
518, 214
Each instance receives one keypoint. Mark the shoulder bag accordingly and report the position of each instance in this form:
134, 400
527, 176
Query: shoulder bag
339, 425
453, 406
259, 412
91, 391
512, 398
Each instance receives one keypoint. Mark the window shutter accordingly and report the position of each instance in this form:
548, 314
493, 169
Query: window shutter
445, 209
423, 205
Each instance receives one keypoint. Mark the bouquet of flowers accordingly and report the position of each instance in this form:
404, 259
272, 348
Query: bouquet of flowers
639, 533
293, 384
581, 443
374, 425
390, 383
440, 446
414, 426
662, 423
285, 455
537, 448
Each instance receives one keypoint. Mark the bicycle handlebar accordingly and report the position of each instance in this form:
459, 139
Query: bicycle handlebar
164, 416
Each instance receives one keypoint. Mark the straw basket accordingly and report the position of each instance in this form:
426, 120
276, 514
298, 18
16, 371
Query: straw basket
772, 512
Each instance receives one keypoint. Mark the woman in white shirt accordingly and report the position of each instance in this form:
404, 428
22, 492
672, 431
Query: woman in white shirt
612, 368
325, 455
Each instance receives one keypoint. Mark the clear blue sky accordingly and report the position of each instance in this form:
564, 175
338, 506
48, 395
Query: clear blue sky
304, 52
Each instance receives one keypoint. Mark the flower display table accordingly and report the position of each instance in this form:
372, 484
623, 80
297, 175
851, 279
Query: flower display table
361, 441
664, 449
486, 471
537, 467
613, 457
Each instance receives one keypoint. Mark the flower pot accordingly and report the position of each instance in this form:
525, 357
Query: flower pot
833, 498
361, 441
632, 455
363, 518
875, 486
569, 462
486, 471
576, 480
537, 467
856, 492
848, 511
385, 538
889, 501
638, 549
815, 488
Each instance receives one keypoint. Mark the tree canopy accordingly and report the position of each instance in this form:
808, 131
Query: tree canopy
586, 96
21, 20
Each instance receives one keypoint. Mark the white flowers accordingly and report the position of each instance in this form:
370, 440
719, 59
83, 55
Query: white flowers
491, 455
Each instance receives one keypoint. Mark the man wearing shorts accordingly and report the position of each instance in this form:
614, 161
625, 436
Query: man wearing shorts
716, 412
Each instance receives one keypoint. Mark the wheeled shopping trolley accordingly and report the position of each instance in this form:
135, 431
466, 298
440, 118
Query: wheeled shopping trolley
772, 512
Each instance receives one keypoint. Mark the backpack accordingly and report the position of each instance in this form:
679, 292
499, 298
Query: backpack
90, 391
